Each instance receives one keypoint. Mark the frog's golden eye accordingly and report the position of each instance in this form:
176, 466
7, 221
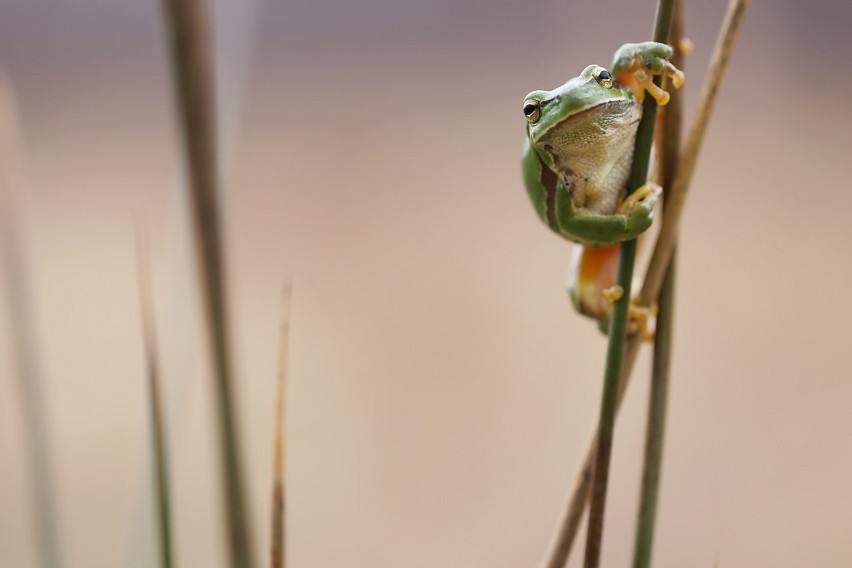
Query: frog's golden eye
603, 77
532, 110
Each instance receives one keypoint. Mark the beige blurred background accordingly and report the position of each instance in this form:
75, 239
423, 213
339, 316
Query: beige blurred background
441, 388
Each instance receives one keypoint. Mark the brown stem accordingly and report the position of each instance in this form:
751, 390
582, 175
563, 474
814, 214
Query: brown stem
676, 196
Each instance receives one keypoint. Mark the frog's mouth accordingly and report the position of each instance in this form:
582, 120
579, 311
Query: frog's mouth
616, 111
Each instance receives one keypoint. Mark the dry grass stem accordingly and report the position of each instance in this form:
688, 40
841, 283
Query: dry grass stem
676, 195
158, 429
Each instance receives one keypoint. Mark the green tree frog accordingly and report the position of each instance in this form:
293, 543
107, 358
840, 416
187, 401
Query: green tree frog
577, 158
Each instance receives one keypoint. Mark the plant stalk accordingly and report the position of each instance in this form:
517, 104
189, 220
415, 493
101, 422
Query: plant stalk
676, 196
188, 25
618, 322
725, 43
158, 429
658, 398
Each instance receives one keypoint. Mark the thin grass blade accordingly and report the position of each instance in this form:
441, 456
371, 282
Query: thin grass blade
188, 28
158, 428
24, 348
279, 551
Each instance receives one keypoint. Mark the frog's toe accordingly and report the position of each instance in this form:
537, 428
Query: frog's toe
676, 75
644, 197
664, 67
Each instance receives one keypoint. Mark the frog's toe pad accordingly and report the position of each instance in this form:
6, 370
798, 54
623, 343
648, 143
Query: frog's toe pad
613, 294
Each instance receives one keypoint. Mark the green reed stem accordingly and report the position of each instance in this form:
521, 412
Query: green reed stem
658, 399
618, 323
663, 250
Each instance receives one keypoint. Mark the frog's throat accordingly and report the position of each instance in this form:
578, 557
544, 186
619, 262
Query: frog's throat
612, 111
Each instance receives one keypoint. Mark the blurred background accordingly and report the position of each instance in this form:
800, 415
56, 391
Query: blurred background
441, 388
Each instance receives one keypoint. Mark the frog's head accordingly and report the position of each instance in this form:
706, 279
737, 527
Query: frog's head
580, 112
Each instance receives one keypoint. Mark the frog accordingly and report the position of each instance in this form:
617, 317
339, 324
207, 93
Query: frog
577, 156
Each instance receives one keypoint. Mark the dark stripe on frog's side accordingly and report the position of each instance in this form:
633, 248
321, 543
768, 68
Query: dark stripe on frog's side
548, 182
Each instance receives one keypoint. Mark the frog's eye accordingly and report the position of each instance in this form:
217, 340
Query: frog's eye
603, 77
532, 110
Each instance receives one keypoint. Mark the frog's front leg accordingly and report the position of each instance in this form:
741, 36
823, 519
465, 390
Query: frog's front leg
635, 65
634, 216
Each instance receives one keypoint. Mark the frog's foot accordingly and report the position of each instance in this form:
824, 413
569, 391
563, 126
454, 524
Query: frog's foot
644, 196
645, 83
636, 64
638, 207
640, 318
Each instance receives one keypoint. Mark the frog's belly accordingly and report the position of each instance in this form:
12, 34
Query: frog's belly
603, 202
598, 194
595, 190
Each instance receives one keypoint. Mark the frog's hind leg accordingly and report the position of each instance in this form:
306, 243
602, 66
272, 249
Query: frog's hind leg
592, 286
591, 277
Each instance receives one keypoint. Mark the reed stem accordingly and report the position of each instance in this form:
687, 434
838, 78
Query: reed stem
658, 398
618, 318
725, 43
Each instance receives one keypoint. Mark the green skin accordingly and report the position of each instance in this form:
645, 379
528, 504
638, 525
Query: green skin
579, 148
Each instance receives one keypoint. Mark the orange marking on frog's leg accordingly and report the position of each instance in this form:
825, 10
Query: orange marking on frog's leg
596, 273
594, 289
